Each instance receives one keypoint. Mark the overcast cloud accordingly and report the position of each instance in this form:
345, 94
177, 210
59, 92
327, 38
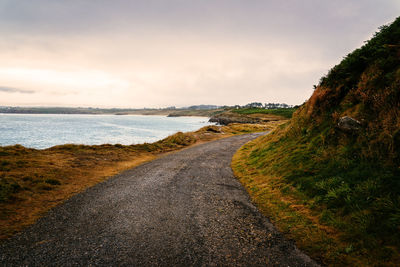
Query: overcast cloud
15, 90
157, 53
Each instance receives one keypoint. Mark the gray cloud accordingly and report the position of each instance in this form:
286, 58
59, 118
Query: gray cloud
15, 90
178, 52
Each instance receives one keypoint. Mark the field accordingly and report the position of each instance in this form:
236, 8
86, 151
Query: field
283, 112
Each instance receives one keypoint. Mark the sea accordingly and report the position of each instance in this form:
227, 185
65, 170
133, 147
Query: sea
42, 131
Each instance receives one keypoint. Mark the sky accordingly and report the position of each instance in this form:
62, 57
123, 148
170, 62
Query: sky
159, 53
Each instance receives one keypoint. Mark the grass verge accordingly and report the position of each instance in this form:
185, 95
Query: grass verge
33, 181
321, 199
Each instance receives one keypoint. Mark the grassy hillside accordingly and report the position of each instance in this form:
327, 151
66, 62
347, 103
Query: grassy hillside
336, 191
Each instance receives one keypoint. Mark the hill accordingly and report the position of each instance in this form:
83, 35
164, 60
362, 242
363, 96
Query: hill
330, 178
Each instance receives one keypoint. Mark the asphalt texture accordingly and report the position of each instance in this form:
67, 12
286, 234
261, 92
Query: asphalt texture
183, 209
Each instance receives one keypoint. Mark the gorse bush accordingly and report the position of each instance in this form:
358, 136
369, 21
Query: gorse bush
380, 52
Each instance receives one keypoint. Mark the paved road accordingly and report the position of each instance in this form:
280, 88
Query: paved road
182, 209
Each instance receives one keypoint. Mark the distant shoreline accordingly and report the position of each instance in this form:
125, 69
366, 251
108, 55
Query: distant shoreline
113, 114
41, 131
96, 111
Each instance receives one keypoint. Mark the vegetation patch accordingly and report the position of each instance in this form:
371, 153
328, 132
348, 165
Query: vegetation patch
52, 181
320, 199
283, 112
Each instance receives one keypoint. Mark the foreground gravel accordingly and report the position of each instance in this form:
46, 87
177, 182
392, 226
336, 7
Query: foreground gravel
183, 209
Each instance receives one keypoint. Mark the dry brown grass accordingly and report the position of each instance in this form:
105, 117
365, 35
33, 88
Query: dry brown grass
34, 181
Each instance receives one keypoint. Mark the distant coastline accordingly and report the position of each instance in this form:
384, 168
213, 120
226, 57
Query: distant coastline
200, 111
46, 130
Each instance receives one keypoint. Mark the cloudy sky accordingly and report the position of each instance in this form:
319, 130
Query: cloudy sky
158, 53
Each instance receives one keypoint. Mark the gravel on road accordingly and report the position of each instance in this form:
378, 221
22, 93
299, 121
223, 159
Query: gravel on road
183, 209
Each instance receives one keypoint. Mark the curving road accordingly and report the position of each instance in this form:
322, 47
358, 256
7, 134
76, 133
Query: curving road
184, 209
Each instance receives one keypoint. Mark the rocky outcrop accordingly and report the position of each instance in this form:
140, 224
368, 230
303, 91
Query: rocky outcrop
349, 124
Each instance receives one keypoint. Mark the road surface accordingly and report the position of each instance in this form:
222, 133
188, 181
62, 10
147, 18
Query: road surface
183, 209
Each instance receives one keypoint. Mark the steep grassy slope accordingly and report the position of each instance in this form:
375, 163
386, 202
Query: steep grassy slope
343, 187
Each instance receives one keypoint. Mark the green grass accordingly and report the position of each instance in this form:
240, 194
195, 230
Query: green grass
360, 198
283, 112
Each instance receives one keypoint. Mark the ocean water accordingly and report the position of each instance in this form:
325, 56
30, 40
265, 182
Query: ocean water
47, 130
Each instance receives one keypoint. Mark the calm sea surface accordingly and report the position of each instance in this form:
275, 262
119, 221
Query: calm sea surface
43, 131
